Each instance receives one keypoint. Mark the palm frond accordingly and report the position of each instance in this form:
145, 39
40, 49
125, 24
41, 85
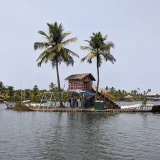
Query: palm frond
41, 61
109, 45
70, 61
66, 58
44, 53
51, 27
84, 58
91, 44
85, 48
41, 45
41, 55
64, 55
109, 57
89, 57
65, 34
105, 37
71, 40
71, 52
58, 47
45, 57
44, 34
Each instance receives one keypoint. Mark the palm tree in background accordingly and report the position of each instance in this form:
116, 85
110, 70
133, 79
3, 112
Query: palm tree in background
100, 49
52, 85
112, 90
55, 51
107, 88
1, 86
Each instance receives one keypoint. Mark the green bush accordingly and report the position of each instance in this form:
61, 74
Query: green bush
21, 107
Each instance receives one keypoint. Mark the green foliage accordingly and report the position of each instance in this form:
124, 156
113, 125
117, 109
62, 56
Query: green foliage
52, 85
98, 48
20, 107
120, 94
1, 86
54, 49
12, 95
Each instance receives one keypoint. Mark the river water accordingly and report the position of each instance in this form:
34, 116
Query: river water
78, 136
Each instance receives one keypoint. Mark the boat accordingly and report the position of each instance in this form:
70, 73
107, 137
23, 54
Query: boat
156, 99
142, 108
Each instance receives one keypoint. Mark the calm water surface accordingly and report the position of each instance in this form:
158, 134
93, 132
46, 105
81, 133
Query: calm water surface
78, 136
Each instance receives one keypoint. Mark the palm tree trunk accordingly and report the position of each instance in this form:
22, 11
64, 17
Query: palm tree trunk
59, 87
97, 79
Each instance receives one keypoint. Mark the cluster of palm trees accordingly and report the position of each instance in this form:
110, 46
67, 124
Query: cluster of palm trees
55, 51
8, 93
121, 94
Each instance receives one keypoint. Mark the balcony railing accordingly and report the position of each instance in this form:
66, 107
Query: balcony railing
78, 86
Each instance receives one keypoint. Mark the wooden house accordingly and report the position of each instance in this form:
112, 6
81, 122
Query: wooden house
83, 82
80, 81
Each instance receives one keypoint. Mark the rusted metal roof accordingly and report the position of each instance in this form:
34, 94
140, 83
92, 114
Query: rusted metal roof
80, 76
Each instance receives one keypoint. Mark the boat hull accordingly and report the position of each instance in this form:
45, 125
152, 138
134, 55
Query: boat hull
156, 108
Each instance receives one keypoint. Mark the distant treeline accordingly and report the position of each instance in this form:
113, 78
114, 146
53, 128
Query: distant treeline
121, 94
35, 95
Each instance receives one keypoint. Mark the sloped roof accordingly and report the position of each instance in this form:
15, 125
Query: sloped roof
128, 97
80, 76
151, 94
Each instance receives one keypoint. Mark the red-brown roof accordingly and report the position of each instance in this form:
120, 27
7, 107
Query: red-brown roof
80, 76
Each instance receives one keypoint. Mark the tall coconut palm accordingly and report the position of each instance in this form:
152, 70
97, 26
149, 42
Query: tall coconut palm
55, 51
100, 49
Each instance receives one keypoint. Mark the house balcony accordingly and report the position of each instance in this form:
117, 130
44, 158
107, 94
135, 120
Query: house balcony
78, 86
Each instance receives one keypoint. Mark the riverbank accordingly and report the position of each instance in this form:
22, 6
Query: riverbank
155, 108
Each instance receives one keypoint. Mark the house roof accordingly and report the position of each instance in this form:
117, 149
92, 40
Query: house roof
151, 94
80, 76
128, 97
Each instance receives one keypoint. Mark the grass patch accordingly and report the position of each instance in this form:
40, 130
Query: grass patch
20, 107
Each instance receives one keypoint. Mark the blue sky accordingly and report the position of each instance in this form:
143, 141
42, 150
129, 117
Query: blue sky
133, 25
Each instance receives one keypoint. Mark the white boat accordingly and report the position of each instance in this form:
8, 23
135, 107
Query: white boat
144, 108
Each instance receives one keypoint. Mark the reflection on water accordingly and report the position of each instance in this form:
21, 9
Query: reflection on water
78, 136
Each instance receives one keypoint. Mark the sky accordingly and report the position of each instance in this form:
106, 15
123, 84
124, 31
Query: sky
133, 26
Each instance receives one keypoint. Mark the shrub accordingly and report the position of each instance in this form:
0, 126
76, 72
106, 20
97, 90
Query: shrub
21, 107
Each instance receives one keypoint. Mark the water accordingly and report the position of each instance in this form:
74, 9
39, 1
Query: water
78, 136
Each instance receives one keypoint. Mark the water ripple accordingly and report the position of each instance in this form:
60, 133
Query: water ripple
78, 136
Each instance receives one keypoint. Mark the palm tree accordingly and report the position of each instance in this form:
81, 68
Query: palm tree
1, 86
55, 51
112, 90
107, 88
100, 49
52, 86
